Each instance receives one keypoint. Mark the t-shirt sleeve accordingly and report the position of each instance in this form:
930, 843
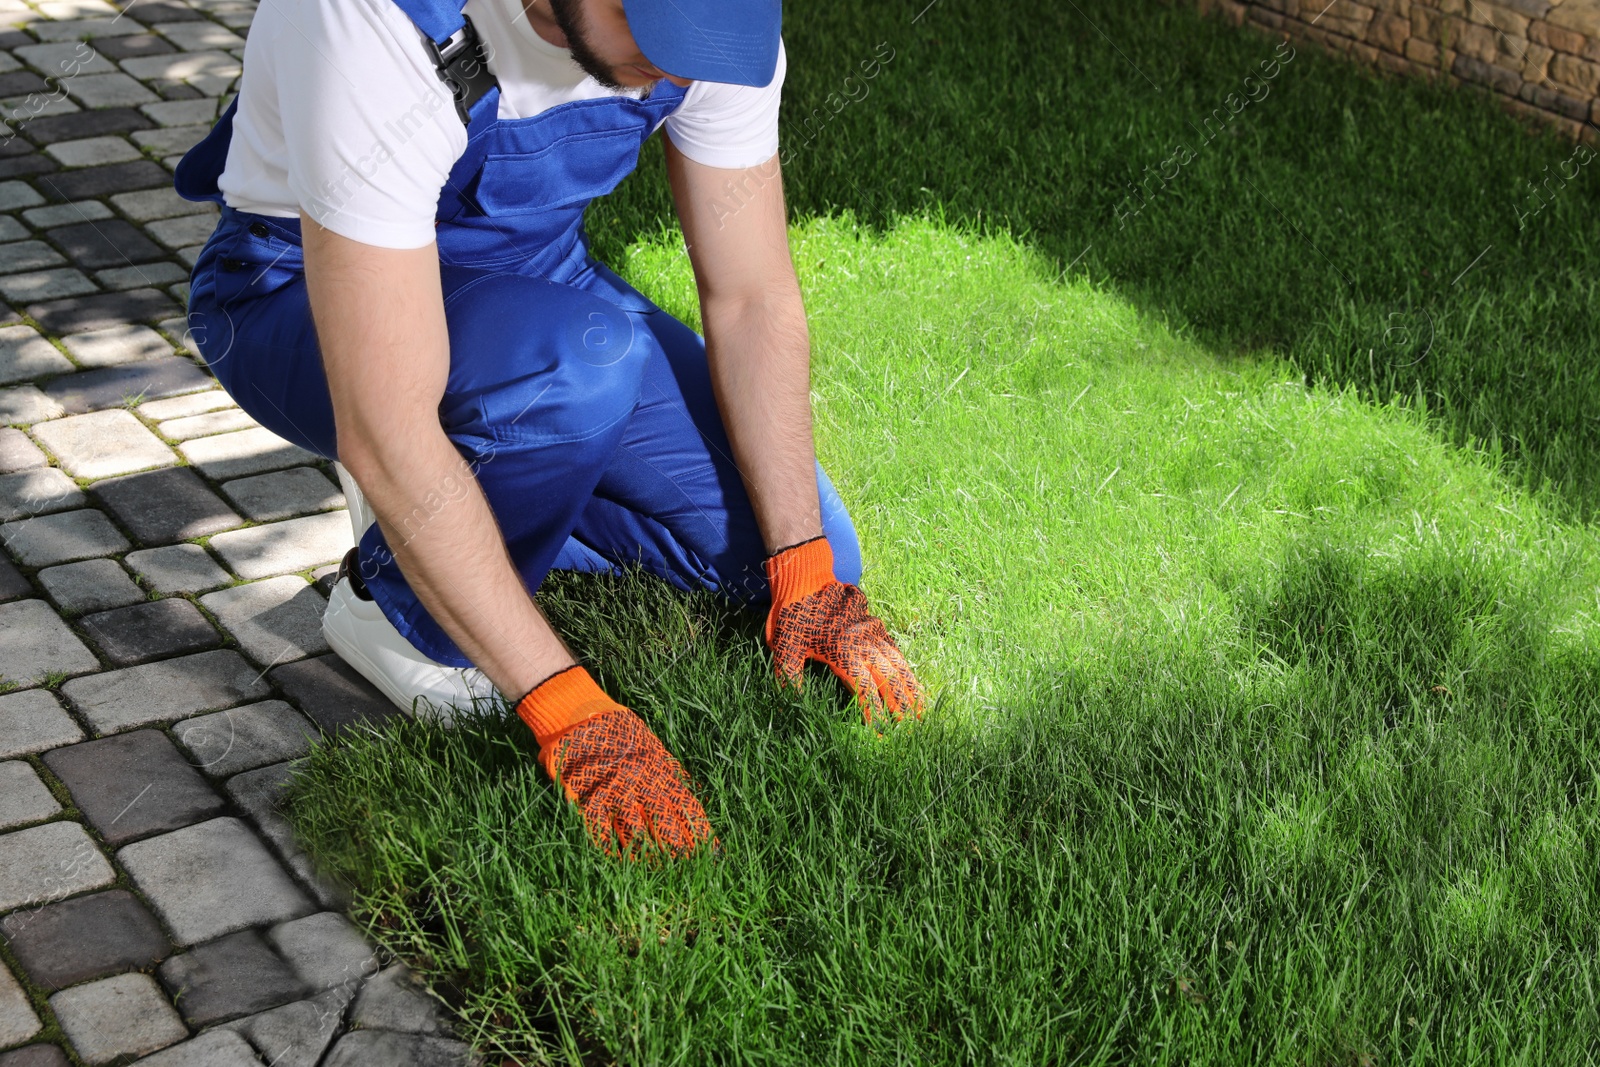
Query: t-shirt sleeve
732, 126
371, 133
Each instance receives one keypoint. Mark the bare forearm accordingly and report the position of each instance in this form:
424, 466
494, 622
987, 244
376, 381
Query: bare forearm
760, 355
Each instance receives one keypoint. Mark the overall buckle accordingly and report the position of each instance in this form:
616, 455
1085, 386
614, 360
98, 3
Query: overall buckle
462, 65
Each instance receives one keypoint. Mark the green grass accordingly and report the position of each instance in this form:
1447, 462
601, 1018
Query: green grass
1265, 734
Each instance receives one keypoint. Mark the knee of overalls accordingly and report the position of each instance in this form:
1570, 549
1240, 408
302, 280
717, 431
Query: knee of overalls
537, 364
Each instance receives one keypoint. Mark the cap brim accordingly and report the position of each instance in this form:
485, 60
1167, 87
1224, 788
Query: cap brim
731, 41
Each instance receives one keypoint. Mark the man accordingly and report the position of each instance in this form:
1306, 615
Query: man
400, 281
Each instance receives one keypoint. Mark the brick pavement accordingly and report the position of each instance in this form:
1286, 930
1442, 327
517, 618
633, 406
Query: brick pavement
165, 567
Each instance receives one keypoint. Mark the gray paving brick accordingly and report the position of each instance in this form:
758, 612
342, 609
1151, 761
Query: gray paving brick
64, 58
395, 1000
140, 275
231, 977
200, 69
282, 547
259, 793
23, 798
25, 404
12, 230
151, 630
62, 214
275, 621
332, 694
75, 940
18, 1022
92, 151
12, 584
35, 643
153, 11
127, 343
15, 195
92, 390
198, 36
178, 139
159, 507
17, 453
37, 492
284, 494
216, 1048
165, 691
133, 785
178, 569
150, 204
212, 879
180, 232
240, 739
180, 407
232, 455
295, 1035
109, 90
212, 422
25, 354
95, 312
77, 124
21, 111
126, 1015
92, 585
103, 443
33, 721
363, 1048
62, 537
75, 9
325, 950
28, 255
45, 284
172, 113
45, 863
87, 183
107, 243
40, 1055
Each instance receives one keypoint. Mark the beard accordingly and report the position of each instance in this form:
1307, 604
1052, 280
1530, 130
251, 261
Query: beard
569, 17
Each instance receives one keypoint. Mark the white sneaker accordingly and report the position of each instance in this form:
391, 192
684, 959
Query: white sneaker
356, 628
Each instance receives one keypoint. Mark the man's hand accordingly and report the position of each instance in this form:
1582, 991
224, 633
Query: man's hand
629, 788
816, 616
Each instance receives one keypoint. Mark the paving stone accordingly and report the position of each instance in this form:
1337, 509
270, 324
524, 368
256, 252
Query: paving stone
25, 354
92, 151
12, 583
201, 69
332, 693
23, 798
126, 1015
62, 537
150, 204
133, 785
109, 243
17, 453
178, 330
281, 547
178, 569
25, 404
37, 1056
139, 44
35, 643
275, 621
259, 793
19, 165
61, 214
28, 255
198, 36
92, 182
295, 1035
36, 492
18, 1022
103, 443
164, 691
11, 229
325, 950
151, 12
170, 139
144, 274
159, 507
64, 59
240, 739
44, 863
44, 284
212, 879
218, 1048
79, 124
22, 81
92, 585
180, 292
33, 721
92, 390
231, 455
96, 312
212, 422
18, 194
150, 630
363, 1048
298, 491
184, 112
128, 343
228, 978
75, 9
181, 232
75, 940
325, 578
110, 90
394, 1000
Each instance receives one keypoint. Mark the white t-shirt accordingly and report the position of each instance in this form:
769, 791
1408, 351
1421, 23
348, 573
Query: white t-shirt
341, 113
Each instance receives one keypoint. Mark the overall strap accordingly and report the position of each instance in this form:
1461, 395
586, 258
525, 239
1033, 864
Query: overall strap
457, 51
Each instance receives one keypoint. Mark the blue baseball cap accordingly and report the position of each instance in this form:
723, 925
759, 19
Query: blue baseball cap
732, 41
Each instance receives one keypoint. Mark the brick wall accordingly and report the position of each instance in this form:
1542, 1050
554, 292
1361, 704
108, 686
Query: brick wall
1541, 58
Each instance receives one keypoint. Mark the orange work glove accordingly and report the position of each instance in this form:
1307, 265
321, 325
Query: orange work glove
609, 763
816, 616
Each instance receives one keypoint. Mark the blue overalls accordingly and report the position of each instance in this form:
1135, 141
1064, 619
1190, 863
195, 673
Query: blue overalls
585, 411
